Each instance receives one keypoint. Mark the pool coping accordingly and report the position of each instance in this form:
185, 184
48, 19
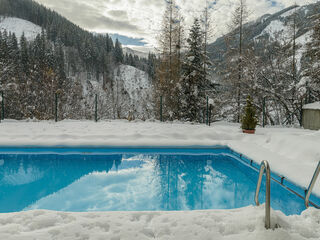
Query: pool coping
294, 188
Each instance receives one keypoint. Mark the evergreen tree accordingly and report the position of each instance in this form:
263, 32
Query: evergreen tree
249, 119
151, 65
60, 64
24, 55
118, 54
194, 79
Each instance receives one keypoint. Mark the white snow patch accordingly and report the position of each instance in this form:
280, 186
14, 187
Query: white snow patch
290, 12
274, 27
133, 87
243, 223
301, 43
312, 106
19, 26
305, 38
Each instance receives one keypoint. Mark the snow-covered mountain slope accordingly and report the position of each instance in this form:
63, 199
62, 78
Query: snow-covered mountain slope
133, 91
280, 27
125, 93
271, 28
135, 52
19, 26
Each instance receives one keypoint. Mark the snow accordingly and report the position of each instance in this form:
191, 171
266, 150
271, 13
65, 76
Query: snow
244, 223
302, 41
293, 153
276, 30
290, 12
313, 106
128, 93
19, 26
135, 82
133, 90
305, 38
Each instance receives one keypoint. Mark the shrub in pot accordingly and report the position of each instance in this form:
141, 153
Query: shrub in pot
249, 119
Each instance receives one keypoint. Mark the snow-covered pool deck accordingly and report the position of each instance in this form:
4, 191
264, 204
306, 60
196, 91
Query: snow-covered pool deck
293, 153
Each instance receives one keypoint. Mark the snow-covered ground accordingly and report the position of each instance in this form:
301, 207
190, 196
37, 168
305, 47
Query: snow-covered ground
312, 106
293, 153
237, 224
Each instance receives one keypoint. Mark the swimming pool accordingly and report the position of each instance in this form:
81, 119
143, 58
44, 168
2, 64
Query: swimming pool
136, 179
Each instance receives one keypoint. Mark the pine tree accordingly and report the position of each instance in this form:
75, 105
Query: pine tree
249, 120
118, 53
24, 55
194, 79
60, 64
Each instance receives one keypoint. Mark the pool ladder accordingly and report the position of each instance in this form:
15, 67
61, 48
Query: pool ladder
264, 167
313, 181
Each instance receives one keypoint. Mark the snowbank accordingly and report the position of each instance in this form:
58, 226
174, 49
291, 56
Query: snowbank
291, 152
244, 223
312, 106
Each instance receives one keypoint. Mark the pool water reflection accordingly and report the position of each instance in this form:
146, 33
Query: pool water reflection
133, 181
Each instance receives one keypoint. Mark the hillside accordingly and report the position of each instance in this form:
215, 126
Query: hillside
269, 29
269, 45
20, 26
77, 65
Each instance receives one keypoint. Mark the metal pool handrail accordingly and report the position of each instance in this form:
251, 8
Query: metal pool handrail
313, 181
264, 167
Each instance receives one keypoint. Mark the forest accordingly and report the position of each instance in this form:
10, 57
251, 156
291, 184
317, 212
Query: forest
279, 70
191, 78
32, 72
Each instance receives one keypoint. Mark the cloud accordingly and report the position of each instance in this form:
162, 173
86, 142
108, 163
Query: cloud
142, 18
118, 14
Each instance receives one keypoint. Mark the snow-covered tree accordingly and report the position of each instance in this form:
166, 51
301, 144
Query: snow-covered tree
312, 71
24, 55
168, 72
118, 54
236, 49
194, 81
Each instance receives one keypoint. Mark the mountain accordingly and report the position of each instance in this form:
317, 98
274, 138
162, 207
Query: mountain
44, 54
268, 29
140, 54
273, 67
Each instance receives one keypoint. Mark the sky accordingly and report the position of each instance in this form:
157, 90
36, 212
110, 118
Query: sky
137, 22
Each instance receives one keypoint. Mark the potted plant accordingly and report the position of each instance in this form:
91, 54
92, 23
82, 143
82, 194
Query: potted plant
249, 119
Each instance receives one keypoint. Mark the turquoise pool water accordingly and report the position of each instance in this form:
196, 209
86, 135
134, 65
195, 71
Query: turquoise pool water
127, 179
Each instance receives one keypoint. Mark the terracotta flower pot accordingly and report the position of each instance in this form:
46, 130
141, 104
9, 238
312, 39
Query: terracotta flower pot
248, 131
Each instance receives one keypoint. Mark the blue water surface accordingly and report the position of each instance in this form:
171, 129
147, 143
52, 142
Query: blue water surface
117, 179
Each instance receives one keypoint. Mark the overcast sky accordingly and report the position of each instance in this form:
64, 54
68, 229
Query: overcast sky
142, 18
